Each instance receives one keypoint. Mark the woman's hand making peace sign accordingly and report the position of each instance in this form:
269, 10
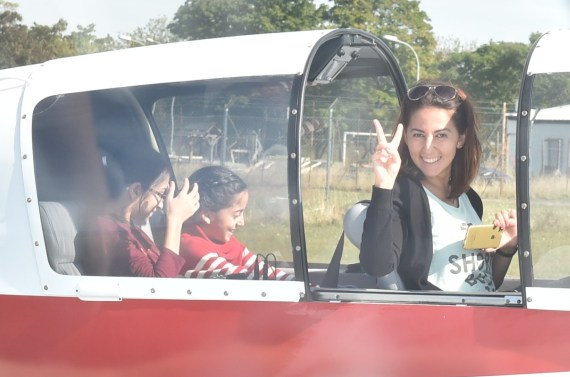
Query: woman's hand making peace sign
386, 160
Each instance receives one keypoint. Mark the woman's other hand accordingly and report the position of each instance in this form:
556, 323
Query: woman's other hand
507, 221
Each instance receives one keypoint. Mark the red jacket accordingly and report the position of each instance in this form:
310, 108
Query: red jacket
114, 248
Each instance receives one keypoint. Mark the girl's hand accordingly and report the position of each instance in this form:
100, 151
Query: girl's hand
507, 221
386, 160
182, 206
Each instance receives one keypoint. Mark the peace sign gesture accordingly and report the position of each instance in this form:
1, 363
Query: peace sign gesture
386, 160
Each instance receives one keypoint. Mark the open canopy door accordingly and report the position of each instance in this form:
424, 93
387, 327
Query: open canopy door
543, 173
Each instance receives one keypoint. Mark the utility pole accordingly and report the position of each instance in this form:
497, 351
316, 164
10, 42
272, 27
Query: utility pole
504, 148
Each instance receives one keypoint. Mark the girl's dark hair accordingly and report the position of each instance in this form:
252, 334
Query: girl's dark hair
465, 165
217, 187
124, 168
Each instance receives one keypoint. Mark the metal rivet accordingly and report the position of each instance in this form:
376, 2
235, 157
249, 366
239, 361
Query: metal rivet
189, 291
293, 155
152, 290
294, 111
29, 200
37, 243
24, 116
337, 297
524, 205
294, 201
263, 294
226, 293
526, 254
524, 113
529, 299
523, 158
508, 301
24, 156
297, 248
301, 294
45, 287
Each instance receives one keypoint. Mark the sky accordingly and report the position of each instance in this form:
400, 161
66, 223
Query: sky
470, 21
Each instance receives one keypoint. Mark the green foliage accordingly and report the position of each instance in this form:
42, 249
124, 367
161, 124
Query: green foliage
85, 41
551, 90
23, 45
200, 19
277, 15
491, 74
401, 18
154, 32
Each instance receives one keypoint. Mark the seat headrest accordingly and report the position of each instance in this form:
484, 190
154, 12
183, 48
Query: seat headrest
60, 231
354, 222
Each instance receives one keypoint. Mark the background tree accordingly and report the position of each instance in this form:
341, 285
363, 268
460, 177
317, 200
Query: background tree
199, 19
491, 73
85, 40
13, 50
277, 15
401, 18
23, 45
154, 32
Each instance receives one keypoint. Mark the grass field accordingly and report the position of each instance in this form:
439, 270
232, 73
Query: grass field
267, 221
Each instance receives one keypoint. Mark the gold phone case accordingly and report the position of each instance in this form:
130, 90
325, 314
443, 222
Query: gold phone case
482, 237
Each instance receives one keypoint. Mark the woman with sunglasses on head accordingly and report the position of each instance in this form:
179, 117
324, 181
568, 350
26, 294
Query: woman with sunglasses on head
139, 184
422, 200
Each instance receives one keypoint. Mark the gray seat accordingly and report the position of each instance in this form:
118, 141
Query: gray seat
60, 231
353, 225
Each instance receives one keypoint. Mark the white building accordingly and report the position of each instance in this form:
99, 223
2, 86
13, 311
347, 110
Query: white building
549, 142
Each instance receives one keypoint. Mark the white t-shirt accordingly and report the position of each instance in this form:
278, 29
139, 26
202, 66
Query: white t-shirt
453, 268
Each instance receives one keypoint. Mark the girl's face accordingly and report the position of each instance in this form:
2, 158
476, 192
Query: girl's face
152, 199
220, 225
433, 139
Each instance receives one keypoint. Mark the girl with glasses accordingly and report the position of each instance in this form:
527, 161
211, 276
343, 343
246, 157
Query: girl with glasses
139, 184
422, 200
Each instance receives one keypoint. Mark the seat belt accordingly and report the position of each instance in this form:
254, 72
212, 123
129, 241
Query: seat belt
330, 280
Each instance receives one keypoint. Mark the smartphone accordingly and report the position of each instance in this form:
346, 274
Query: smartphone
482, 237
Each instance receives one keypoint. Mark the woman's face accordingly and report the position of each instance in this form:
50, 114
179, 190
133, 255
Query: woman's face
220, 225
152, 199
433, 139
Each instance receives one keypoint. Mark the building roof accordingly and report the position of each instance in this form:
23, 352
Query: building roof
551, 114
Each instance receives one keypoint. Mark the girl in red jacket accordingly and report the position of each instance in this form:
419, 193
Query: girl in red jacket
208, 244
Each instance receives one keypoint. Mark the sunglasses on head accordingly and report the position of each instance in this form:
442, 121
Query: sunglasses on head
444, 92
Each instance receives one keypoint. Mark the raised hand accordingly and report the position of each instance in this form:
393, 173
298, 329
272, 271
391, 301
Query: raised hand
185, 203
386, 160
178, 209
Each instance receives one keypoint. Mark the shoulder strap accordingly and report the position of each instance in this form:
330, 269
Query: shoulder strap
475, 201
330, 280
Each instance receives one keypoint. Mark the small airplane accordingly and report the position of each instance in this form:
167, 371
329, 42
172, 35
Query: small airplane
290, 113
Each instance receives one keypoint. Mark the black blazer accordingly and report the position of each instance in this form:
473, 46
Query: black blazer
397, 232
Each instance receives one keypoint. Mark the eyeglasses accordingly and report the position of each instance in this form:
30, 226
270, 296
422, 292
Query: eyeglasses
444, 92
161, 195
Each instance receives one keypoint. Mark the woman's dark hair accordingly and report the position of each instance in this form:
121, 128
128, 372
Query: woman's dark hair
217, 187
124, 168
465, 165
